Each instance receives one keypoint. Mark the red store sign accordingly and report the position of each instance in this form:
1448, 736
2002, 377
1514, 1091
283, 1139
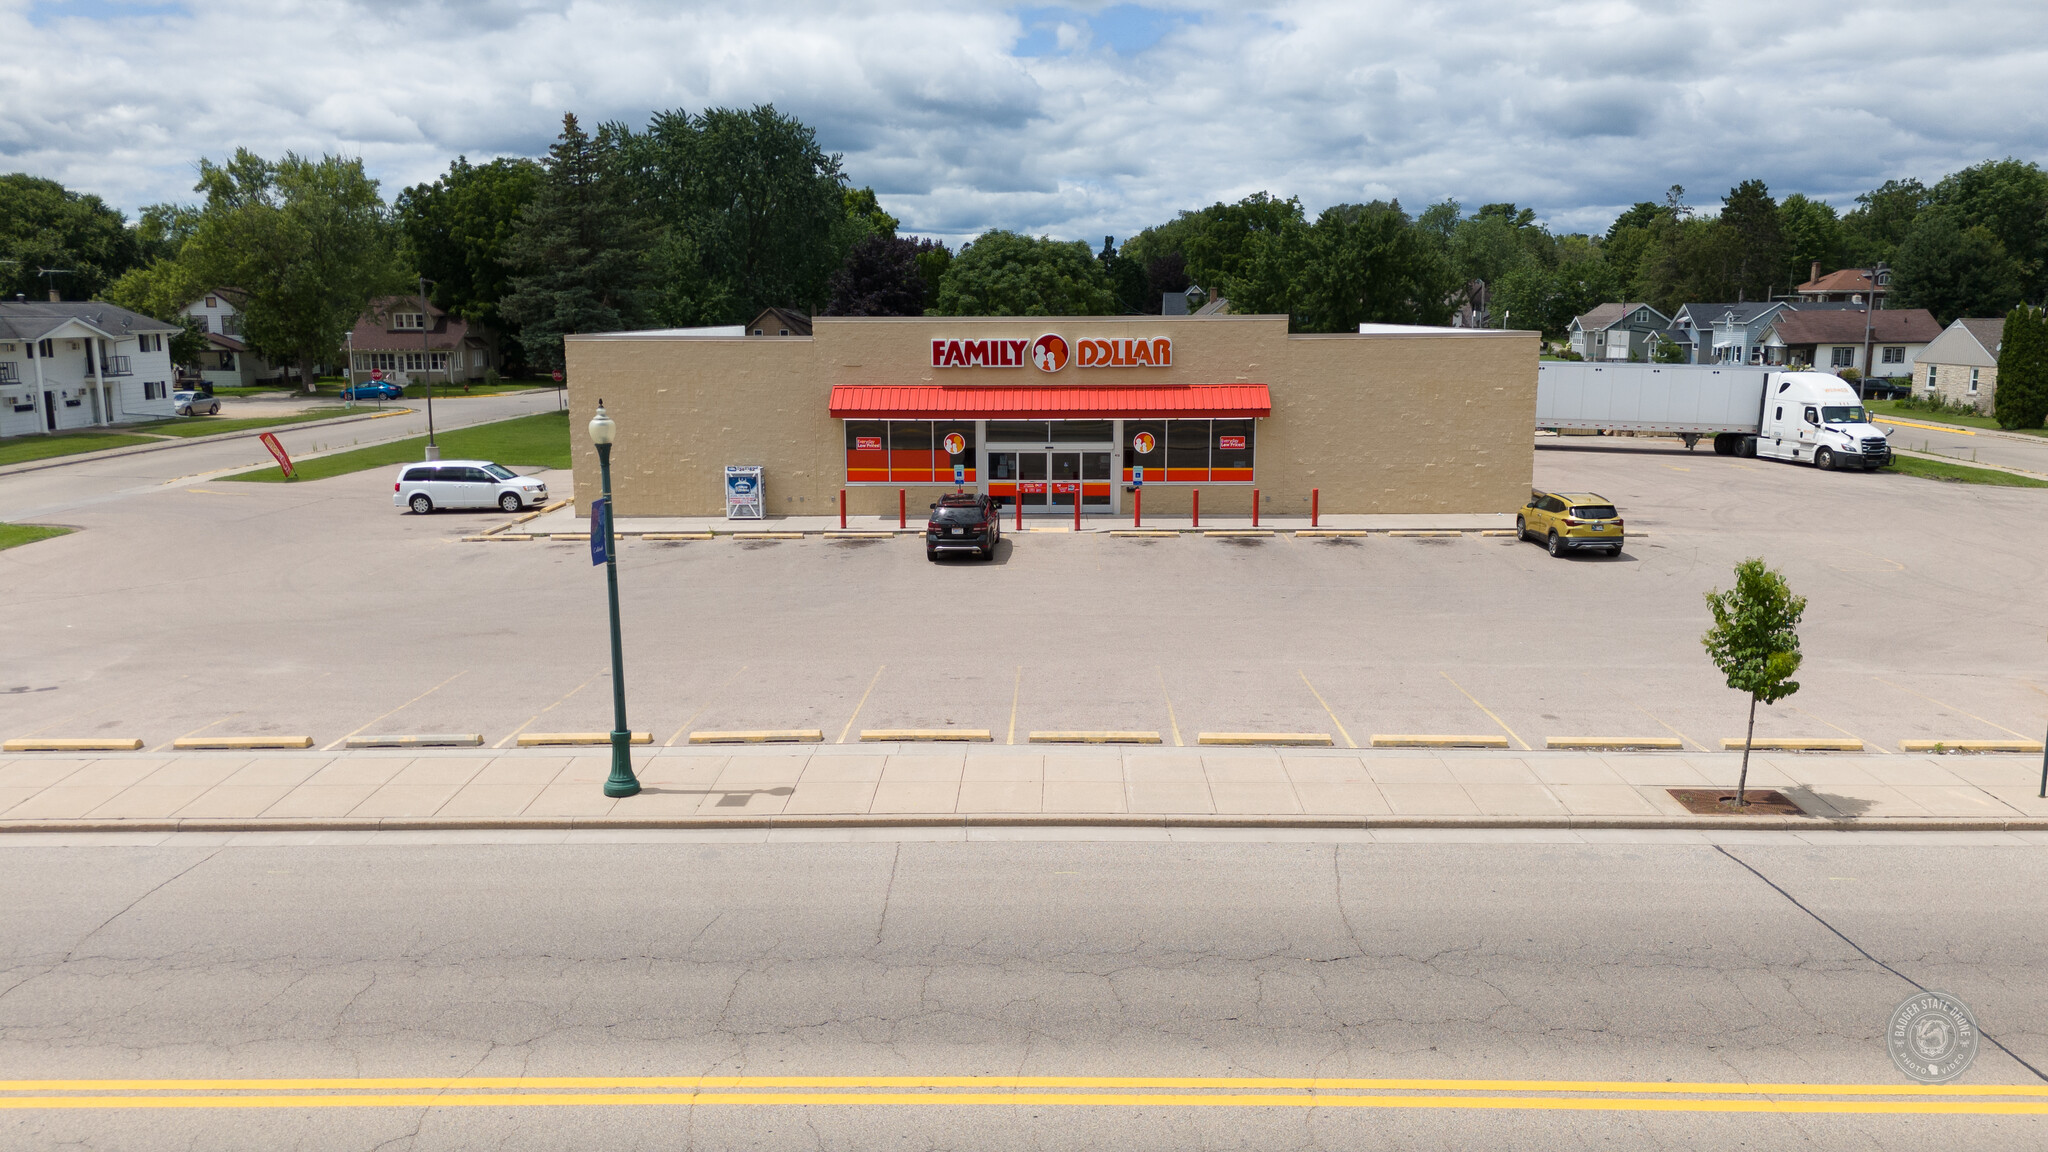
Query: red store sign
1050, 353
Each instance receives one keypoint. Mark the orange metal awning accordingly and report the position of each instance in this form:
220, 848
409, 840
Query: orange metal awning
934, 402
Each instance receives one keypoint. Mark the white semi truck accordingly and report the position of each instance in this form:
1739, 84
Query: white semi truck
1809, 417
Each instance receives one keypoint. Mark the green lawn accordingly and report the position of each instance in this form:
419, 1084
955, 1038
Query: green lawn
1943, 470
15, 535
214, 425
540, 441
1896, 410
21, 449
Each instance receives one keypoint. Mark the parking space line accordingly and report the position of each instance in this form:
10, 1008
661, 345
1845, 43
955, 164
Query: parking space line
1489, 712
400, 708
514, 734
1952, 708
1172, 721
194, 732
1348, 741
702, 708
844, 732
1016, 691
1844, 731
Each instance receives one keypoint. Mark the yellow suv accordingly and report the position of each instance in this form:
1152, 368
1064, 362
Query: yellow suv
1570, 521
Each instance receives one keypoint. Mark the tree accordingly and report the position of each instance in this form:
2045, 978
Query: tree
44, 225
2022, 397
1812, 232
2009, 199
1367, 263
1755, 644
1127, 277
308, 244
458, 229
1006, 274
756, 213
1953, 271
579, 255
1758, 244
160, 290
880, 278
1883, 216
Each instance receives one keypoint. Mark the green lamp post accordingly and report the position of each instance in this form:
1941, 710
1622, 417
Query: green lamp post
621, 782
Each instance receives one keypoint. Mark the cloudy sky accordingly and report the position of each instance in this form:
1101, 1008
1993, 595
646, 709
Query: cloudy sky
1071, 121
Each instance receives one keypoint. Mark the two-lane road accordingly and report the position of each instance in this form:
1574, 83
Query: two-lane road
48, 492
888, 994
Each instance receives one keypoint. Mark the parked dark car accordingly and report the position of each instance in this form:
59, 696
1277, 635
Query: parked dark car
964, 522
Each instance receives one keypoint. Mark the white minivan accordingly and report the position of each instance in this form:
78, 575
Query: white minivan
465, 484
1815, 418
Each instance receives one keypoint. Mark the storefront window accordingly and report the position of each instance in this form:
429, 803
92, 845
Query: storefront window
1018, 432
867, 452
1230, 459
910, 452
943, 458
1154, 462
1082, 431
1187, 451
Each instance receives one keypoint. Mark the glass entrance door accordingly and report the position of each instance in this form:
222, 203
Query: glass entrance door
1044, 466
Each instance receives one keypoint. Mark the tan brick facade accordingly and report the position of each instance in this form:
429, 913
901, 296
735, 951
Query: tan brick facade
1381, 423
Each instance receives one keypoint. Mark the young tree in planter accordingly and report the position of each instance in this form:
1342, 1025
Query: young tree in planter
1755, 643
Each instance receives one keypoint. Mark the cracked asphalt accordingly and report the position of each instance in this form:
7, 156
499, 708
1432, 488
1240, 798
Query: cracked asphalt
1655, 960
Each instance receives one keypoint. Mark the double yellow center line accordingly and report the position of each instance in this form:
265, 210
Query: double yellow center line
1027, 1091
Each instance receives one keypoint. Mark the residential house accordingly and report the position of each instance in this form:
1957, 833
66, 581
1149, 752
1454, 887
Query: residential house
1722, 333
1834, 339
73, 364
227, 361
1962, 363
1617, 332
403, 334
1846, 286
779, 322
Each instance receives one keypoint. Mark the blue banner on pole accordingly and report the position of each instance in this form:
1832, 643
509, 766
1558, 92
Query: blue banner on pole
600, 530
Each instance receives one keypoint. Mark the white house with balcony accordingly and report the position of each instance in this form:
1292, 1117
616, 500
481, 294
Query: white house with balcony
66, 365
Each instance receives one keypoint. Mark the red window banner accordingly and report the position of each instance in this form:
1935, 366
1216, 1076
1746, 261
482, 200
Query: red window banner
277, 453
867, 443
1236, 442
1031, 487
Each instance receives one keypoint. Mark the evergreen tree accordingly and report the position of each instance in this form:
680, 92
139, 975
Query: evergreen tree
1757, 242
2022, 397
580, 251
1126, 277
458, 229
880, 278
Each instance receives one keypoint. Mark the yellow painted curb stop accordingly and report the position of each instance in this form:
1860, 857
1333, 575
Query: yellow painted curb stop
760, 736
1380, 740
1094, 738
1227, 532
675, 536
543, 739
767, 535
1332, 532
242, 742
872, 735
66, 744
859, 535
1660, 743
1734, 744
1970, 745
1288, 739
1144, 532
489, 539
1425, 532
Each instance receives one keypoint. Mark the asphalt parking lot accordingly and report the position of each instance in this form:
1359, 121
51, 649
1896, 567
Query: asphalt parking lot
209, 608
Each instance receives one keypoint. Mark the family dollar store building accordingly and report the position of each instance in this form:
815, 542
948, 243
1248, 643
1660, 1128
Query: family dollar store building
1043, 411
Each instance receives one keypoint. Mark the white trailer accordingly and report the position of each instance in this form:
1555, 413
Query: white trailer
1810, 417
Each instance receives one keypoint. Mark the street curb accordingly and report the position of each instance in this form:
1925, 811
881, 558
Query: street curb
1040, 820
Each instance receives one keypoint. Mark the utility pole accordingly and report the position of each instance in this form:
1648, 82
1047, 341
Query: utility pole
1869, 326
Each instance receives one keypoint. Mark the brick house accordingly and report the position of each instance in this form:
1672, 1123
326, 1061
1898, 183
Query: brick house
404, 334
1962, 363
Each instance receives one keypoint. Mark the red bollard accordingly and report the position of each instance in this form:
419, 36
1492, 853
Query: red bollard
842, 508
1080, 490
1018, 500
1315, 504
1137, 507
1255, 507
902, 510
1198, 507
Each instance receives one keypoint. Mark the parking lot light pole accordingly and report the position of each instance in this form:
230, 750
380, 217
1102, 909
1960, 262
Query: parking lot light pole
621, 782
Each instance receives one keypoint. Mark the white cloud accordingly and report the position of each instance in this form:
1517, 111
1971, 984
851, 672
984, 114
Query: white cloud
1077, 121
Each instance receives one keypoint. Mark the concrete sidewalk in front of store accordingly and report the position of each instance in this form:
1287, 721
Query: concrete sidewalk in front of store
568, 520
898, 784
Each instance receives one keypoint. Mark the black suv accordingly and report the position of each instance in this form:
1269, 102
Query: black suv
964, 522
